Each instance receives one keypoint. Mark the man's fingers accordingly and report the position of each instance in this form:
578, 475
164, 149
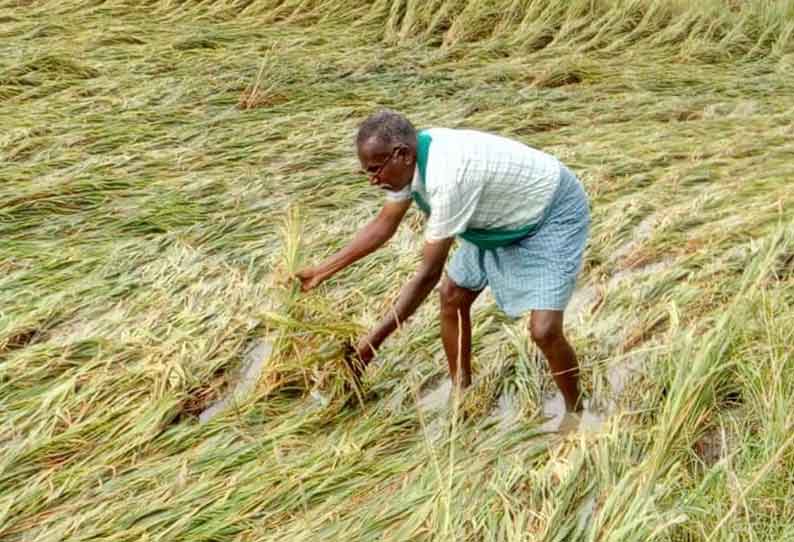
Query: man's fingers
306, 278
304, 274
309, 279
309, 284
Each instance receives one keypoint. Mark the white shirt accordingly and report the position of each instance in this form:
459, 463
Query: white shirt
482, 181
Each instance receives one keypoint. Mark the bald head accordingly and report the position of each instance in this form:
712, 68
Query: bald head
386, 129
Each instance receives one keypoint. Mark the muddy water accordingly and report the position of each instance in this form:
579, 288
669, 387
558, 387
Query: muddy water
581, 302
437, 398
599, 408
650, 269
641, 233
589, 420
253, 363
508, 410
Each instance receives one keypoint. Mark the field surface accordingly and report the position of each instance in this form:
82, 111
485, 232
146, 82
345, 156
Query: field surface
166, 165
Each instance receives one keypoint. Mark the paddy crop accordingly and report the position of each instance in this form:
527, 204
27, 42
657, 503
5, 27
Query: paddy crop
166, 166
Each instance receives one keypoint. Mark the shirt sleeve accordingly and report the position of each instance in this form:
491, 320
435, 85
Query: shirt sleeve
399, 195
453, 205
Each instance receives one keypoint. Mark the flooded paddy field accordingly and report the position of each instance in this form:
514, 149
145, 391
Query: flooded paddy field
165, 167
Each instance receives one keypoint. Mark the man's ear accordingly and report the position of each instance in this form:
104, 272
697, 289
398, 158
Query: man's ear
406, 153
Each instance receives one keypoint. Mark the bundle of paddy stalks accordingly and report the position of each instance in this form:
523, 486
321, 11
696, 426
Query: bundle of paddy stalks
313, 355
315, 341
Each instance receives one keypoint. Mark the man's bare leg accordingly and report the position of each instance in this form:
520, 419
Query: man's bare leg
456, 329
545, 328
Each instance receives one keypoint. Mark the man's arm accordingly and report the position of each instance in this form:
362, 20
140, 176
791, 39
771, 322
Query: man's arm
434, 256
370, 238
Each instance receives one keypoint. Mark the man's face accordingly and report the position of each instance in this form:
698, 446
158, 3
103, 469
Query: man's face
387, 167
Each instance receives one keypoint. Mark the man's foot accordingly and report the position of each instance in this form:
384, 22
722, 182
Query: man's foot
559, 419
569, 423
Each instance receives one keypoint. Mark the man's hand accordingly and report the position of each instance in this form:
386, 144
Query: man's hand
370, 238
364, 350
310, 278
357, 358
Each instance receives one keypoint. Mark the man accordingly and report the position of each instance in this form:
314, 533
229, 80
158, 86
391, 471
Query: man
522, 220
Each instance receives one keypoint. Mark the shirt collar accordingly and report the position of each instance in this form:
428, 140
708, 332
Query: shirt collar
416, 183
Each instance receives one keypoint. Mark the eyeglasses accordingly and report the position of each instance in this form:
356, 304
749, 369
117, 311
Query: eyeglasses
376, 174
